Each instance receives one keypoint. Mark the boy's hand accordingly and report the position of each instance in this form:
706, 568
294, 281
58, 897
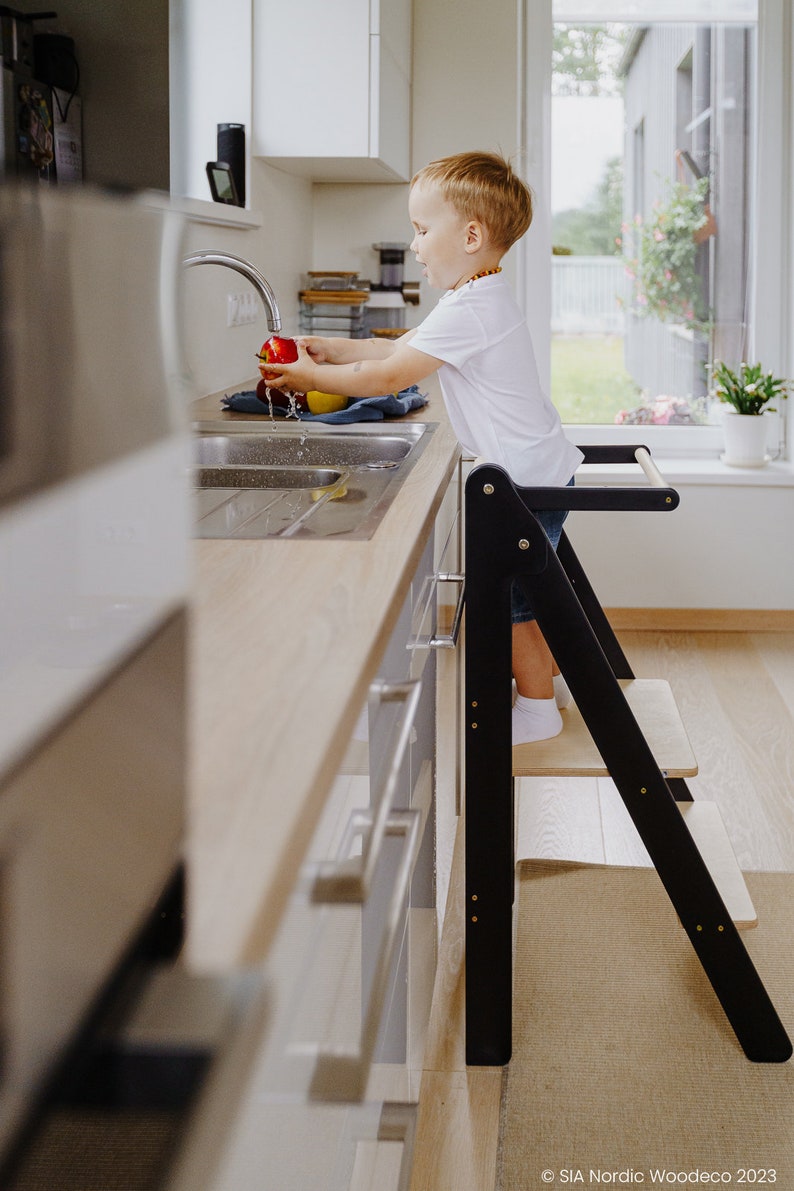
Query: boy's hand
298, 376
319, 348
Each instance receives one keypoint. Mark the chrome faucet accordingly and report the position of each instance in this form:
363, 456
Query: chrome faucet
210, 256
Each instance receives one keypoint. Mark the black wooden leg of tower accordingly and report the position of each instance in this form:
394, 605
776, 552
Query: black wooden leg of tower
505, 540
489, 821
605, 634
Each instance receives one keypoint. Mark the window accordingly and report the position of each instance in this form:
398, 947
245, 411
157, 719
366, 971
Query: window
651, 151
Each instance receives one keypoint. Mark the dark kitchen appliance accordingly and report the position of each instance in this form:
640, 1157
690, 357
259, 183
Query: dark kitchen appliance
392, 263
392, 293
40, 110
27, 144
55, 61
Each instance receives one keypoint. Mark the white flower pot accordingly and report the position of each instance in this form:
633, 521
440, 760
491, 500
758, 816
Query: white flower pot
745, 439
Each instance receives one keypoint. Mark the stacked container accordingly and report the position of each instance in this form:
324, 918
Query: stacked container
334, 303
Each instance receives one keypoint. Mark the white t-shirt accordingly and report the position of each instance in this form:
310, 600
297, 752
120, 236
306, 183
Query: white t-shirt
489, 380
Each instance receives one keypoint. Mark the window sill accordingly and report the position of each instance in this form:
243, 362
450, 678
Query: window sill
683, 454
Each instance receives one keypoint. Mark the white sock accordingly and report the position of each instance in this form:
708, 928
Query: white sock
562, 695
535, 719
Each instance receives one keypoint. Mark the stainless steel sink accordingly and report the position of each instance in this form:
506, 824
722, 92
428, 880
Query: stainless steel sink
353, 448
247, 476
277, 480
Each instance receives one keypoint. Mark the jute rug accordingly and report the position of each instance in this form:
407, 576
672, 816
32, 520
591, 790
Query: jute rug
625, 1071
99, 1151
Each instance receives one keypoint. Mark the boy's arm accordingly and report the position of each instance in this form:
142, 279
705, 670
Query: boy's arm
402, 367
333, 350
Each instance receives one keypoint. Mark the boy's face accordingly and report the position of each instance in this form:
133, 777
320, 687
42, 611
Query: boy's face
442, 237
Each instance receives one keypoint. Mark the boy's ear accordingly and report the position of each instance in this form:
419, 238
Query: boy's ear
475, 236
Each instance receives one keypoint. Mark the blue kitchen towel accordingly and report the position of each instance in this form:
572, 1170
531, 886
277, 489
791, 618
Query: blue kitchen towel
362, 409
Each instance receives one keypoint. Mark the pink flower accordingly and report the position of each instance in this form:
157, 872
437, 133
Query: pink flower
668, 276
659, 236
630, 273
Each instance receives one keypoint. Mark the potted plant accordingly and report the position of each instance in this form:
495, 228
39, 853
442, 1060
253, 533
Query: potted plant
747, 391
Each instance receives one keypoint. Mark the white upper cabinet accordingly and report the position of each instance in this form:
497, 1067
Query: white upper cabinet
332, 89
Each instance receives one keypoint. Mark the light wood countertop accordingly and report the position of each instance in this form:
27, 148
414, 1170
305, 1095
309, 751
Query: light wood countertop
286, 637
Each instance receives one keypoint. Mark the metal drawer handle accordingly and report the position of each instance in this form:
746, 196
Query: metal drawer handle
450, 640
349, 879
342, 1077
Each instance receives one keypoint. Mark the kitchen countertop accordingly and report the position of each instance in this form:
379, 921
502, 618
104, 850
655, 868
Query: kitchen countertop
286, 637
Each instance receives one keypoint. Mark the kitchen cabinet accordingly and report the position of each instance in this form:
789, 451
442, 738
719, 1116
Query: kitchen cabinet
345, 115
280, 774
324, 1093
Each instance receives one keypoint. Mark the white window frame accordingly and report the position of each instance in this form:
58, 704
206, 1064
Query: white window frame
772, 294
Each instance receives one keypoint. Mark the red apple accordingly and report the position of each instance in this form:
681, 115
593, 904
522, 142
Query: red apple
278, 350
278, 398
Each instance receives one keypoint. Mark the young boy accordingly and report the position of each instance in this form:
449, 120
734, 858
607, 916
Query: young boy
466, 212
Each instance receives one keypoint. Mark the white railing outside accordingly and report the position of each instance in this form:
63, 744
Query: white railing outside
586, 293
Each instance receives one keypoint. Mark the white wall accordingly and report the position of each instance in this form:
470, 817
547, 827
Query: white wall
211, 70
221, 357
721, 548
348, 220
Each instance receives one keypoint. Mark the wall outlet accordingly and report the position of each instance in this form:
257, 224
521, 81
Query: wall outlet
241, 309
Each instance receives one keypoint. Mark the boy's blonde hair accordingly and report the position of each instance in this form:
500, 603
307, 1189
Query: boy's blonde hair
483, 186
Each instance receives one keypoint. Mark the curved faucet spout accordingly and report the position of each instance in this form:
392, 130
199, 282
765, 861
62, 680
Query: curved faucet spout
250, 272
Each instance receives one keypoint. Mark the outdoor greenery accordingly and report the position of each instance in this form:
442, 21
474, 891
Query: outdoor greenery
585, 63
585, 59
748, 389
589, 382
667, 285
594, 229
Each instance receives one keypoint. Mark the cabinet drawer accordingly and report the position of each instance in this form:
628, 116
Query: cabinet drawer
322, 1091
311, 1096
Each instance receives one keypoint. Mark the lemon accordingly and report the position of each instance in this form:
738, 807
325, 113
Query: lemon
325, 403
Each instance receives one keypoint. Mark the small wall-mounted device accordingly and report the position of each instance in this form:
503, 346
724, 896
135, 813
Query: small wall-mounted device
221, 182
231, 147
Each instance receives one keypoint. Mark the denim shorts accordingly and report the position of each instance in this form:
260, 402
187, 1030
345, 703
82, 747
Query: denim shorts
552, 521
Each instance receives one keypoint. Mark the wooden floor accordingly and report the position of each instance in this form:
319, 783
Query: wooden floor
735, 692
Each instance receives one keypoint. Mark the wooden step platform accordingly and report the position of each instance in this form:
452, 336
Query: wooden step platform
573, 753
707, 829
